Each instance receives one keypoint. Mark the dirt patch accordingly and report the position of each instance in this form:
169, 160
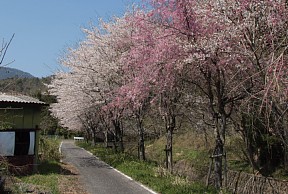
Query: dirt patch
69, 180
14, 186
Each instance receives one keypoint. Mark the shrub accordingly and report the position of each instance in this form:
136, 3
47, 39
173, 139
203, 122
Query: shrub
49, 149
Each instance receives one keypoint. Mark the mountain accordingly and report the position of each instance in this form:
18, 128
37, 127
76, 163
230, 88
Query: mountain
7, 72
26, 86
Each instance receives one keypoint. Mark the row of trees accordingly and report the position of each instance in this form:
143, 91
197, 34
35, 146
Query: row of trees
224, 60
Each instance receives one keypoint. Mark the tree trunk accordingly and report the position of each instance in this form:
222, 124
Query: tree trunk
88, 134
118, 136
93, 137
219, 149
218, 154
171, 123
285, 126
169, 158
106, 138
121, 143
141, 145
115, 143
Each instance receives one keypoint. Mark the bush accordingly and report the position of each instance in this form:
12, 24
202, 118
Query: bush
49, 149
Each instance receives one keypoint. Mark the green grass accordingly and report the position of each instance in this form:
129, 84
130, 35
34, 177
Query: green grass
49, 170
148, 173
49, 181
239, 165
159, 179
189, 149
46, 180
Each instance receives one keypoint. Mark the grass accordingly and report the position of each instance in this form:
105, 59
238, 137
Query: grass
47, 177
189, 148
45, 180
49, 172
148, 173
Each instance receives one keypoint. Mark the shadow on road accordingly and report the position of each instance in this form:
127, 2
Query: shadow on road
47, 167
91, 162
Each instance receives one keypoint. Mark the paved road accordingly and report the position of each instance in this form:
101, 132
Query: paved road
96, 176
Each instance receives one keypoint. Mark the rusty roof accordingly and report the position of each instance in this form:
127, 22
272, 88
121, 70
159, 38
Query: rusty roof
19, 99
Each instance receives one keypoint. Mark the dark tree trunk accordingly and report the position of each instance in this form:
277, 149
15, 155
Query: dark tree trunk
121, 143
118, 137
115, 143
141, 144
169, 148
93, 137
141, 140
218, 154
285, 134
88, 135
106, 138
219, 149
169, 145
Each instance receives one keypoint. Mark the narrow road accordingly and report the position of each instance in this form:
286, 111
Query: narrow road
96, 176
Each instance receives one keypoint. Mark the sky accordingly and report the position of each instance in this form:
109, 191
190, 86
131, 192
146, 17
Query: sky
44, 29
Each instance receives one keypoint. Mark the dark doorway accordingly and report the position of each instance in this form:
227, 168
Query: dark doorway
22, 143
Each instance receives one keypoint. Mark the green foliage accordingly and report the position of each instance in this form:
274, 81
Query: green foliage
5, 125
49, 149
4, 120
63, 132
26, 86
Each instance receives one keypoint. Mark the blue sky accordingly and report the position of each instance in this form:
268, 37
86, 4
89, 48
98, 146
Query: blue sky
45, 28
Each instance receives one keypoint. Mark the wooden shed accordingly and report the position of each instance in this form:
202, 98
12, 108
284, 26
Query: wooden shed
19, 131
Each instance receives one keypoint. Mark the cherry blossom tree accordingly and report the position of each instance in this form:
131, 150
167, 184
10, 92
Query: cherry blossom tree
134, 109
91, 122
165, 44
91, 76
210, 43
151, 71
234, 52
262, 26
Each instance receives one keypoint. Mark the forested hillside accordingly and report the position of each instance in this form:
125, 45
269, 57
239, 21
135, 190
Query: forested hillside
27, 86
7, 72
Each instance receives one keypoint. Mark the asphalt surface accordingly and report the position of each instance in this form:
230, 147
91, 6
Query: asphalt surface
96, 176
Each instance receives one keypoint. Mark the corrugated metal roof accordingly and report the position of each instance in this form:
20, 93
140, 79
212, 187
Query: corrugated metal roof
19, 99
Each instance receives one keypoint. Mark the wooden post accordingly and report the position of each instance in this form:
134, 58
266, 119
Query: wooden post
209, 171
166, 158
225, 170
285, 145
